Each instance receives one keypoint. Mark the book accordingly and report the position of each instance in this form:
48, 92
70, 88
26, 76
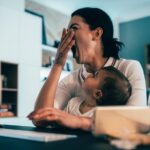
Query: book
3, 110
121, 121
0, 89
6, 106
6, 110
5, 113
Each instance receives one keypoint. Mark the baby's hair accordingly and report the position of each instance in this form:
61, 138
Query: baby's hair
115, 87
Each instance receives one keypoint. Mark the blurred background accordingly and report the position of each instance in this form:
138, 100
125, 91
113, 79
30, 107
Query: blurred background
30, 33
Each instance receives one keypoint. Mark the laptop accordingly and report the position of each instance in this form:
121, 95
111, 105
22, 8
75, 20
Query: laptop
120, 121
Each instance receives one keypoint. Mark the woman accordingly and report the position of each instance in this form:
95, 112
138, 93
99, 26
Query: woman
90, 36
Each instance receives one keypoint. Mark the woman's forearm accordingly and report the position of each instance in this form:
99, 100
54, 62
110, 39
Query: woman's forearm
52, 115
47, 93
85, 123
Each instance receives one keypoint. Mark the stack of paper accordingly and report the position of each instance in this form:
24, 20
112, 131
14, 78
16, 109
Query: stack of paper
121, 121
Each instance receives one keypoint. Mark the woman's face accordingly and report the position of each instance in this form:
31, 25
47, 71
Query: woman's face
83, 50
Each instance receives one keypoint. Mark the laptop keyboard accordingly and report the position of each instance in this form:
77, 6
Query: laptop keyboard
34, 135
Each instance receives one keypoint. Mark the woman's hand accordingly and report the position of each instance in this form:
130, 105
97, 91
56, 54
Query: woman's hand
65, 45
50, 115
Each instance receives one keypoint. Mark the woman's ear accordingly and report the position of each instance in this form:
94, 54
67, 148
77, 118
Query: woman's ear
97, 94
97, 33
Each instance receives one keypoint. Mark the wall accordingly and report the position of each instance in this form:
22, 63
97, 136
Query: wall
51, 18
135, 35
14, 4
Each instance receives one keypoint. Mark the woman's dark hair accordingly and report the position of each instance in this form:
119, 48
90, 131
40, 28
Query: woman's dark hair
95, 17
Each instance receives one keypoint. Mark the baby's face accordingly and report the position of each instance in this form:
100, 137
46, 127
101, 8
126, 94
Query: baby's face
91, 83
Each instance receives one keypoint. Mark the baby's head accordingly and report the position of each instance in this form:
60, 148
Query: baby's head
108, 87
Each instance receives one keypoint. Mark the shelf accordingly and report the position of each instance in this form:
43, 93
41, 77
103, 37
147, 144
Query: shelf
9, 85
9, 89
46, 70
48, 58
53, 50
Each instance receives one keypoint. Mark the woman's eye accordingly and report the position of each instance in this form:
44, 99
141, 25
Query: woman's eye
74, 28
96, 74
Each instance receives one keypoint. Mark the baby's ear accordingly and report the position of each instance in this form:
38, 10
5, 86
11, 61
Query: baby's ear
97, 94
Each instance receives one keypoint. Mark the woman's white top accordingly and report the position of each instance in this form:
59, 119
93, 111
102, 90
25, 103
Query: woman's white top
71, 85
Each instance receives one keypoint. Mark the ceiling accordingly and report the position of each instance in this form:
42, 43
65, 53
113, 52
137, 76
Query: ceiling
115, 8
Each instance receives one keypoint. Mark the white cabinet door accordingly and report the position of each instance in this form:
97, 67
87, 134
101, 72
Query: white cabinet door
29, 86
30, 62
9, 26
30, 39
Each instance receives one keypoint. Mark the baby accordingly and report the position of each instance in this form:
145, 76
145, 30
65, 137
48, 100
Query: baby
107, 87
